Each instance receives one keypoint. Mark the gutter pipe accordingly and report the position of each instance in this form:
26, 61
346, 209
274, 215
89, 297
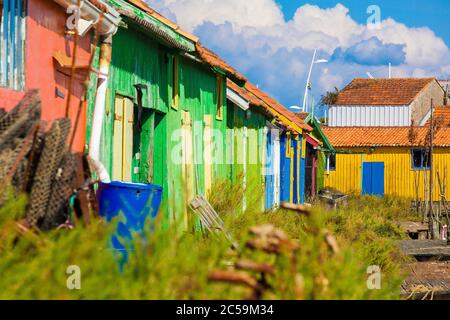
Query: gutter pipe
99, 109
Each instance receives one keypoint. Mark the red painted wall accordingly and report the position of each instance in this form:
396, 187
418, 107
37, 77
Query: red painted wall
45, 34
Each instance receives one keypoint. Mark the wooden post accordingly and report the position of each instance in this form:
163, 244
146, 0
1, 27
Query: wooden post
430, 160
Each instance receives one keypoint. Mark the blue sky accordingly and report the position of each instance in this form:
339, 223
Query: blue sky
272, 41
415, 13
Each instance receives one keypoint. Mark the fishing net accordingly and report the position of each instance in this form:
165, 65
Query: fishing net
52, 154
62, 188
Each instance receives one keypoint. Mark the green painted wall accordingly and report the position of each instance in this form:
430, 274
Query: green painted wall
320, 174
256, 152
138, 59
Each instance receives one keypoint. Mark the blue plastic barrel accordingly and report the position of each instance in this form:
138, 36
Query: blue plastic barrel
137, 202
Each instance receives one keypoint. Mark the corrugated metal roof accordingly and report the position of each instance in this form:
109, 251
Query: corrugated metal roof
155, 14
147, 18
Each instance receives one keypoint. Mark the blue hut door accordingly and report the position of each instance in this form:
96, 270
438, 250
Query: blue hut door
270, 190
373, 178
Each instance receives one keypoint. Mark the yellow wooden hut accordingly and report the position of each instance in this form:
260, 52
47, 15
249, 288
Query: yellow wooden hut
389, 161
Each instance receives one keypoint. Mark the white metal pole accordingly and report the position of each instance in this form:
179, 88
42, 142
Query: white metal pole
305, 97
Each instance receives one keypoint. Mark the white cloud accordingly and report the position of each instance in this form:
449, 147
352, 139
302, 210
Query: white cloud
253, 36
253, 13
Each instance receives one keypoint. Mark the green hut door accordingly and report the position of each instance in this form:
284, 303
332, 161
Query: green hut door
123, 139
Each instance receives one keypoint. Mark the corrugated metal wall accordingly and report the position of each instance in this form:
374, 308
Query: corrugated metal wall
12, 44
400, 179
365, 116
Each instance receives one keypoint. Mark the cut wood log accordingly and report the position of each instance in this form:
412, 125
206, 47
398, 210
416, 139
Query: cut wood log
268, 231
270, 240
300, 208
236, 277
331, 242
255, 266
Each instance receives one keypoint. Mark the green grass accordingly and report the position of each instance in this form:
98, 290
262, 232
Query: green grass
174, 265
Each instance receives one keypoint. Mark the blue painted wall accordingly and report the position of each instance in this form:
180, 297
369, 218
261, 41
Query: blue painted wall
270, 182
285, 171
302, 173
296, 186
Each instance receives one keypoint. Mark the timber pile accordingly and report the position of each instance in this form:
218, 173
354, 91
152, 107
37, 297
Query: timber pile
259, 277
427, 280
40, 164
251, 274
429, 276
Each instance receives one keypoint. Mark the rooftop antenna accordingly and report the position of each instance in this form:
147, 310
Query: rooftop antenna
369, 75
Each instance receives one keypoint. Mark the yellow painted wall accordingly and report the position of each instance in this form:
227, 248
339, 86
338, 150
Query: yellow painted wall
399, 180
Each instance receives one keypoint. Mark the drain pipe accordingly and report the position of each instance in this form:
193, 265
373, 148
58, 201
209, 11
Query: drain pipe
99, 110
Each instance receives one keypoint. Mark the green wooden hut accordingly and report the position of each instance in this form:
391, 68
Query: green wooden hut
166, 115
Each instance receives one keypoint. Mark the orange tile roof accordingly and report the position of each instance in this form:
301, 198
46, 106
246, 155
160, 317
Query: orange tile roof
302, 115
441, 117
382, 91
214, 60
256, 101
341, 137
276, 106
253, 100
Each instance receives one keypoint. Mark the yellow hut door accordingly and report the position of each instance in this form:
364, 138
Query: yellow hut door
188, 167
208, 142
122, 139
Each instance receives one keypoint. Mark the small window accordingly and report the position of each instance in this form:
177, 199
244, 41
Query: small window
420, 159
175, 83
288, 146
332, 162
12, 43
219, 98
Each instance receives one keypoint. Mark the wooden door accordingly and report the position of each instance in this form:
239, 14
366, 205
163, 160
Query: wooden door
123, 139
117, 139
373, 178
187, 165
